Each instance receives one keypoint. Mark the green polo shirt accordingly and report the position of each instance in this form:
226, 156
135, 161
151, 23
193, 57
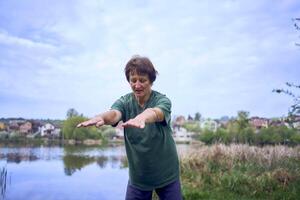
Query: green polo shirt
151, 151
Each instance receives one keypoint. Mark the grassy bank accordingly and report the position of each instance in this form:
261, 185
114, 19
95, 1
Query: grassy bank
241, 172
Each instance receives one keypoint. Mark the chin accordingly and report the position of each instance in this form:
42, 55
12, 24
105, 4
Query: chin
139, 94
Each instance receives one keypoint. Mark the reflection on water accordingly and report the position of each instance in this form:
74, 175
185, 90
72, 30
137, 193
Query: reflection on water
73, 157
18, 157
70, 172
65, 173
73, 163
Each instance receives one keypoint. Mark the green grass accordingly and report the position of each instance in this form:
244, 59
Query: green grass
241, 172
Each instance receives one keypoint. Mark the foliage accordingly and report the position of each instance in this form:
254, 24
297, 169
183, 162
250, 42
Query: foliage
208, 137
197, 116
192, 126
277, 135
240, 131
190, 118
3, 135
70, 131
72, 113
242, 120
295, 107
296, 25
108, 132
271, 135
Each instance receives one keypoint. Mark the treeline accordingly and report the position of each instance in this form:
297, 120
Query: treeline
271, 135
70, 132
241, 131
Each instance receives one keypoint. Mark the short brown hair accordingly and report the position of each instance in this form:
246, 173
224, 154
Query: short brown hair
142, 66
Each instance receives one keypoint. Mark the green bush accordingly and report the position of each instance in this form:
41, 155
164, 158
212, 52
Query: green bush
207, 136
109, 133
192, 127
70, 131
271, 135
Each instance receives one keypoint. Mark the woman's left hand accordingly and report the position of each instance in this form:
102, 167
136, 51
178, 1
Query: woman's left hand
135, 123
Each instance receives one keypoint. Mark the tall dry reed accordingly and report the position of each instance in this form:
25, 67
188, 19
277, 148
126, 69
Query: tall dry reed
266, 156
3, 178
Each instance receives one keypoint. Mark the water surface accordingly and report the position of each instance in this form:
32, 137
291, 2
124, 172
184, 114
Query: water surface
44, 173
65, 173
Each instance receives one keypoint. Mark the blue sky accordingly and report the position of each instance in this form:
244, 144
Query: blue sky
214, 57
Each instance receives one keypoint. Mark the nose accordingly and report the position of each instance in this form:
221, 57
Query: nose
138, 84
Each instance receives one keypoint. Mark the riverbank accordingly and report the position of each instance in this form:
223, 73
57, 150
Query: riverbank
87, 142
241, 172
52, 141
221, 171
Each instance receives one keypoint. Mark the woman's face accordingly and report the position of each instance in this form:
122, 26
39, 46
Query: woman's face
140, 84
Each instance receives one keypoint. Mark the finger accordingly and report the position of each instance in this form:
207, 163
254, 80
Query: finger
133, 125
100, 123
127, 124
124, 125
84, 124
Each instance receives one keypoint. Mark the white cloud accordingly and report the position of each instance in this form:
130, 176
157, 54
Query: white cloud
23, 42
207, 52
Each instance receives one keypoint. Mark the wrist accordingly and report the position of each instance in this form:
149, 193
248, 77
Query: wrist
99, 118
140, 118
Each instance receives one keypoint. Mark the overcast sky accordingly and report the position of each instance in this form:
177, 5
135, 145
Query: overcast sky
215, 57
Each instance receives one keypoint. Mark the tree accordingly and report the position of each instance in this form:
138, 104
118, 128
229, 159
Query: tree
296, 24
190, 118
243, 120
197, 116
72, 113
70, 131
295, 107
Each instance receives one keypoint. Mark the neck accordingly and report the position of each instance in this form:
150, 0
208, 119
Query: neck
142, 100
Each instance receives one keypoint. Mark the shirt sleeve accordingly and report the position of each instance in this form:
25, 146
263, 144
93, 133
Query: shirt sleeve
165, 105
120, 106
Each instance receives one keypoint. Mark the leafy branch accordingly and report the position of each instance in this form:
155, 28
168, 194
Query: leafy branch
295, 108
296, 25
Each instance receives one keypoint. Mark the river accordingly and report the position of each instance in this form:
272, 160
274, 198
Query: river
65, 173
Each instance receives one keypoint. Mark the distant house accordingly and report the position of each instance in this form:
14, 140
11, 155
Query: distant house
209, 124
13, 126
292, 122
36, 126
296, 123
25, 128
49, 130
259, 123
181, 135
179, 121
278, 122
2, 126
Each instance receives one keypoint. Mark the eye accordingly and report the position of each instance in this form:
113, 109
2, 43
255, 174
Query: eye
143, 80
133, 80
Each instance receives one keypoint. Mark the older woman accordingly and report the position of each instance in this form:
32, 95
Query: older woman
150, 148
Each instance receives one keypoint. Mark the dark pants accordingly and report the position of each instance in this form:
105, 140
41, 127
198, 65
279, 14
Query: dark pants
169, 192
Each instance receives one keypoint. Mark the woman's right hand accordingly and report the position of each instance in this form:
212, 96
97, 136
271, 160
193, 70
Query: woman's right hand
97, 121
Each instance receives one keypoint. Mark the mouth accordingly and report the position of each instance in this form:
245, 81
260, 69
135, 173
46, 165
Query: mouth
138, 91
